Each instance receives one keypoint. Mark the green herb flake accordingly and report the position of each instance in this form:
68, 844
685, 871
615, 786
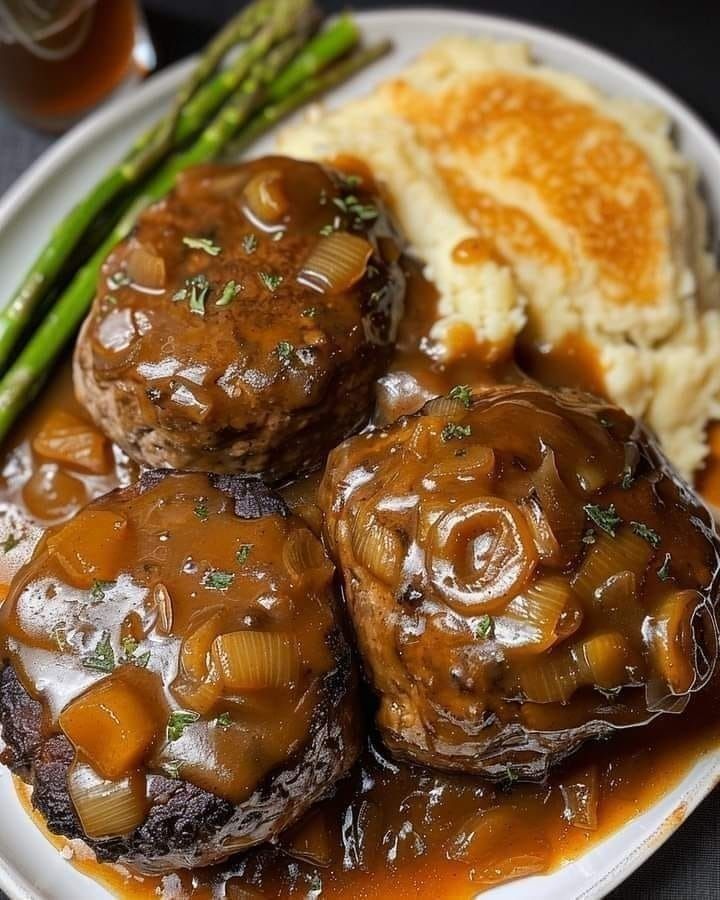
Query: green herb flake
249, 243
218, 580
243, 553
224, 720
453, 432
285, 350
102, 659
98, 589
205, 244
201, 511
130, 655
511, 775
118, 279
195, 291
461, 393
605, 518
484, 627
663, 573
271, 281
316, 886
10, 542
310, 313
327, 230
628, 480
352, 181
646, 533
229, 293
172, 768
178, 722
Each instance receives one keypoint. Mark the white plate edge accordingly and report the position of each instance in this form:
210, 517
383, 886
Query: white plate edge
163, 83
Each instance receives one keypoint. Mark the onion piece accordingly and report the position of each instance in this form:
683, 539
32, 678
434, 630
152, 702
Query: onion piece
551, 680
564, 515
303, 555
378, 548
66, 439
164, 606
91, 547
529, 623
107, 808
501, 843
546, 544
337, 262
445, 406
609, 556
480, 554
265, 197
603, 660
199, 696
146, 269
476, 464
195, 650
581, 796
672, 639
254, 660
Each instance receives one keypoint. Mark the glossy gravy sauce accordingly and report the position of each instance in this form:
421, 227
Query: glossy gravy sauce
389, 829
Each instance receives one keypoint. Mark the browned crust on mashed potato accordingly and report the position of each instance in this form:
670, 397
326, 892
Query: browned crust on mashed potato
544, 208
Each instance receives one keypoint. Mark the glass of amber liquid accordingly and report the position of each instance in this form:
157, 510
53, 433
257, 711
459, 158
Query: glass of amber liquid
59, 58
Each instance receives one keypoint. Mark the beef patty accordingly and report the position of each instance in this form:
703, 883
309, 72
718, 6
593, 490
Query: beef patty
177, 685
242, 324
524, 571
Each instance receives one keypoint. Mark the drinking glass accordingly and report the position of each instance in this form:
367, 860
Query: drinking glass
59, 58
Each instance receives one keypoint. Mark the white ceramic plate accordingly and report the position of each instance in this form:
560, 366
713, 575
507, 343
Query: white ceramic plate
29, 866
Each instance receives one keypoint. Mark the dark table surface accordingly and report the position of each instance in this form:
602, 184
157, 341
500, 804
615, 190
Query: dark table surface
676, 43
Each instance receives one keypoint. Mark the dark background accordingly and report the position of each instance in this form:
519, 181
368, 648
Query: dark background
679, 45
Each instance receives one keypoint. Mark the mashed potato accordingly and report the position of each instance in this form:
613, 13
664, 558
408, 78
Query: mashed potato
541, 206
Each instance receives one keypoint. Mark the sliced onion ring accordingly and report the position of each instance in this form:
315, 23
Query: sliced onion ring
107, 808
481, 554
337, 262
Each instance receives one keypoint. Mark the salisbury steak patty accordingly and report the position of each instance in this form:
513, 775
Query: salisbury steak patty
524, 571
241, 326
176, 684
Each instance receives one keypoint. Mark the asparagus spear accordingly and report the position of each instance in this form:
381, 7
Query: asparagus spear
26, 376
141, 159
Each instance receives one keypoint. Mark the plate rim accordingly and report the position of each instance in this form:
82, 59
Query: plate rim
124, 107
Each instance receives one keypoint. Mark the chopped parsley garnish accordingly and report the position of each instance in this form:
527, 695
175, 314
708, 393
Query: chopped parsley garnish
172, 768
310, 312
462, 393
327, 230
118, 279
627, 481
102, 659
195, 291
271, 281
178, 722
353, 207
510, 775
97, 591
201, 511
130, 655
224, 720
10, 542
455, 432
484, 626
210, 247
229, 293
285, 350
218, 580
663, 573
605, 518
646, 533
250, 243
243, 553
352, 181
589, 537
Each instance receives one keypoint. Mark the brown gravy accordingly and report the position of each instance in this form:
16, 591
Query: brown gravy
390, 829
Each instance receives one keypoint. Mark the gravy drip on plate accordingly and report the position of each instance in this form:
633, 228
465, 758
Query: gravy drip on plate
390, 828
